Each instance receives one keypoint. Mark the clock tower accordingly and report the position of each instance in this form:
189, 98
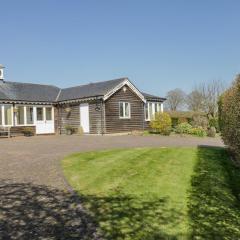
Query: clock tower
1, 72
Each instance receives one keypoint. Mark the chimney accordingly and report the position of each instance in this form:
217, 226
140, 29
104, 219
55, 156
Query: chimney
1, 73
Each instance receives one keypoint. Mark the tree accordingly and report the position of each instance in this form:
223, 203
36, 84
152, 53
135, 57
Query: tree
205, 97
195, 101
175, 99
211, 92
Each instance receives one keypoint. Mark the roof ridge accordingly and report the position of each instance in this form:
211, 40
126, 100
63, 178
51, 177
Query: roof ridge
58, 95
86, 84
40, 84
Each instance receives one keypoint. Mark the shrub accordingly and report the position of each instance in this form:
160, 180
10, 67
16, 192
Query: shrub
229, 113
183, 128
198, 131
27, 131
211, 132
162, 123
200, 121
213, 122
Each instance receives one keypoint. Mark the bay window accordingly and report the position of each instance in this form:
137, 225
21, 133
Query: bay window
8, 115
29, 113
20, 115
124, 110
150, 109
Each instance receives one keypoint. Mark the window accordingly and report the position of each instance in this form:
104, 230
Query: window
146, 111
39, 114
150, 109
1, 123
48, 113
20, 115
8, 115
124, 110
29, 111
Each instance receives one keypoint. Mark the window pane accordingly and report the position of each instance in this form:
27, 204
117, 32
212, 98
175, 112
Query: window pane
29, 115
8, 114
127, 110
156, 107
20, 115
150, 111
1, 115
40, 114
146, 111
48, 113
121, 110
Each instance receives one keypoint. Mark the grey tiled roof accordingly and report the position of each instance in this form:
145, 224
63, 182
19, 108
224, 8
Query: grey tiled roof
28, 92
152, 97
15, 91
89, 90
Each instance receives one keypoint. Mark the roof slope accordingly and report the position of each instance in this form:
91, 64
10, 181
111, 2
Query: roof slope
89, 90
28, 92
150, 96
16, 91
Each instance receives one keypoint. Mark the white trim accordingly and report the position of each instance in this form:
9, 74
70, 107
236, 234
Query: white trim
159, 109
119, 86
124, 110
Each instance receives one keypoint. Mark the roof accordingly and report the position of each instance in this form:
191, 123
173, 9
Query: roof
152, 97
15, 91
28, 92
89, 90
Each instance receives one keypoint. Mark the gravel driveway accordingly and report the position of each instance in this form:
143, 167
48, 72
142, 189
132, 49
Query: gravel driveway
34, 201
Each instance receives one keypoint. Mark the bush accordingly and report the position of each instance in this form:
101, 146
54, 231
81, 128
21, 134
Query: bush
198, 131
183, 128
211, 132
200, 121
213, 122
27, 131
229, 114
161, 124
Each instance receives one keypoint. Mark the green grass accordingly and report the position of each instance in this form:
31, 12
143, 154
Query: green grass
159, 193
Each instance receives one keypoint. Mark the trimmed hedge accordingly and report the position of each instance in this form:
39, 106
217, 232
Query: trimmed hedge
229, 117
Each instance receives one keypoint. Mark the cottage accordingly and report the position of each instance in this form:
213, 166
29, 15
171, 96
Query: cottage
98, 108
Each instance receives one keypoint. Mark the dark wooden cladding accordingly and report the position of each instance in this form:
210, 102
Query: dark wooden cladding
113, 123
96, 118
71, 118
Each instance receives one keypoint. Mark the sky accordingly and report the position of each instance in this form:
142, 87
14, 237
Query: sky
159, 45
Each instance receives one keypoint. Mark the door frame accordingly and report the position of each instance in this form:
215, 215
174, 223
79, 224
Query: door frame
87, 117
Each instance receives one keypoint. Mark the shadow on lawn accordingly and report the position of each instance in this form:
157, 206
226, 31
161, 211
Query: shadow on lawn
126, 217
214, 202
30, 211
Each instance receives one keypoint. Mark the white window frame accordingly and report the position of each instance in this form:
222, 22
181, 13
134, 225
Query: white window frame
124, 110
25, 116
159, 109
3, 115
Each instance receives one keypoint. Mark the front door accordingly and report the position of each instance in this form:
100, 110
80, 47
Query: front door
44, 120
84, 117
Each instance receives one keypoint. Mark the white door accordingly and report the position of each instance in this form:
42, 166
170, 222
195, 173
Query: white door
44, 120
84, 117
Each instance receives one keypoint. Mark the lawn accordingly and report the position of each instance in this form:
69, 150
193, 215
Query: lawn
159, 193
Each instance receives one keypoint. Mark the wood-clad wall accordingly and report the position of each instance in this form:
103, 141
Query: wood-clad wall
113, 123
96, 118
72, 118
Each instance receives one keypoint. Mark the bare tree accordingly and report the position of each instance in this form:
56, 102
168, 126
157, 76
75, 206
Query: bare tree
175, 99
195, 101
205, 97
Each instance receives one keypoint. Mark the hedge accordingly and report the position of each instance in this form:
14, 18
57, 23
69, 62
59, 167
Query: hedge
229, 117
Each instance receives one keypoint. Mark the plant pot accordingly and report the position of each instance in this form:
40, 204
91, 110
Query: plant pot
69, 132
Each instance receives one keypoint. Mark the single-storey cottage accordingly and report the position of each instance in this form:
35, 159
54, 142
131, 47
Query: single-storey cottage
104, 107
